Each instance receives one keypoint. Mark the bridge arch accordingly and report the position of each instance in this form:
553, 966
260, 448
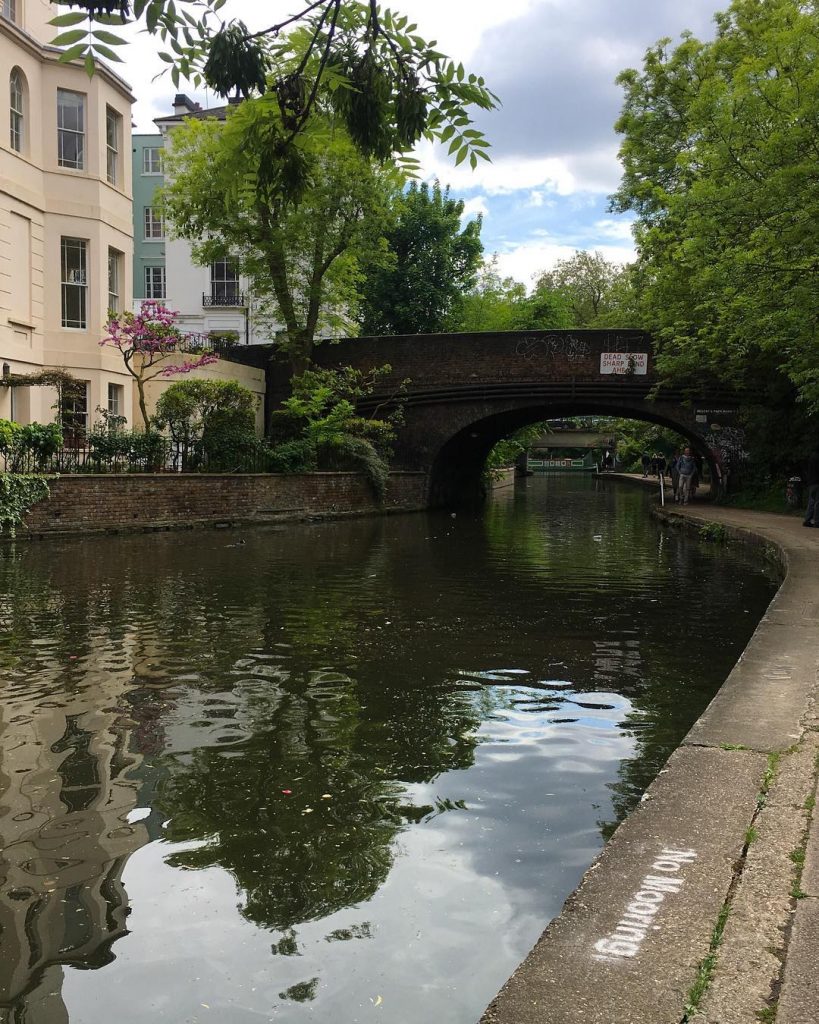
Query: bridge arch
456, 469
464, 392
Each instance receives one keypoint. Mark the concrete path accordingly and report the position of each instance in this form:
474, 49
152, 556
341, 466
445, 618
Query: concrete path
704, 906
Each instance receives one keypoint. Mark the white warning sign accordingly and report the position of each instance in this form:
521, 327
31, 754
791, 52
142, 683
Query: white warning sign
624, 362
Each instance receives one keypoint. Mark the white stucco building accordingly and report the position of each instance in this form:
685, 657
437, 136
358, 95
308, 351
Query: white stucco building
211, 300
65, 221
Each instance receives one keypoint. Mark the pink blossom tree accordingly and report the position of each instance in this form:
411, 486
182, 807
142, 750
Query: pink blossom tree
151, 345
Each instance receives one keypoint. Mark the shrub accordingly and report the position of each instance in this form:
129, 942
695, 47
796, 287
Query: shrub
295, 456
211, 421
29, 446
359, 454
18, 492
43, 440
9, 435
319, 426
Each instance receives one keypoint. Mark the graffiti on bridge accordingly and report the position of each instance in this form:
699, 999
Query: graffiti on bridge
553, 345
573, 347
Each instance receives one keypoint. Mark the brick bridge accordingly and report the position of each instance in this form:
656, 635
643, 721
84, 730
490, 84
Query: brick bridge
467, 391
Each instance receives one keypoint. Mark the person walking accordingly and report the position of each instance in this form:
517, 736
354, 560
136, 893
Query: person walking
675, 476
812, 483
646, 461
686, 468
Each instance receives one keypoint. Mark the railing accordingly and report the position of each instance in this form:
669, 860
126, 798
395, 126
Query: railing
198, 343
156, 455
223, 298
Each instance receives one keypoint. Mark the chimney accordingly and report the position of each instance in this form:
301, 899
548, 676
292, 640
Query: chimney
183, 104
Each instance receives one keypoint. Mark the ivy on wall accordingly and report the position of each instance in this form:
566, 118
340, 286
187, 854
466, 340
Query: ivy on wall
18, 492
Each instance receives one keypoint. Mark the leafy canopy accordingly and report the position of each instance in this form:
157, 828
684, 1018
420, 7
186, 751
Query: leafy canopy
388, 84
501, 304
592, 285
719, 150
303, 261
433, 261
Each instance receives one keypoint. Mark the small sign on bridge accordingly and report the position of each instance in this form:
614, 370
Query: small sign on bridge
624, 362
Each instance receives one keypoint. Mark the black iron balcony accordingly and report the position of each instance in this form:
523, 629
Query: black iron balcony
224, 297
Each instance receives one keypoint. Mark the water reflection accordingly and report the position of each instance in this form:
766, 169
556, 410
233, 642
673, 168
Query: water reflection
66, 796
343, 763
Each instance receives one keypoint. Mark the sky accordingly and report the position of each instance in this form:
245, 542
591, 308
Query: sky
553, 63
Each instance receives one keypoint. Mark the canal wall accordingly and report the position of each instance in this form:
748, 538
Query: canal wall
126, 503
704, 905
500, 478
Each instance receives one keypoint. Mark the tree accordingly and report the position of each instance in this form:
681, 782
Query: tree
318, 425
589, 282
719, 153
434, 261
147, 341
302, 260
501, 304
212, 420
389, 86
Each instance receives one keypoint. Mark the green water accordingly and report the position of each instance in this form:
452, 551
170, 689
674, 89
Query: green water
339, 772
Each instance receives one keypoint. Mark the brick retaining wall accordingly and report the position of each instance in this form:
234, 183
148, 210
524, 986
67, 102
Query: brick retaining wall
100, 504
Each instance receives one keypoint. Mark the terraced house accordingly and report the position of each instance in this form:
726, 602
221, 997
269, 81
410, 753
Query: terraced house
66, 234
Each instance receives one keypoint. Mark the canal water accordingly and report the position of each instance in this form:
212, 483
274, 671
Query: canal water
336, 772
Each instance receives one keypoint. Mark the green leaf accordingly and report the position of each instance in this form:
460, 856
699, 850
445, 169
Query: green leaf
73, 53
90, 64
108, 37
69, 38
462, 156
66, 20
107, 52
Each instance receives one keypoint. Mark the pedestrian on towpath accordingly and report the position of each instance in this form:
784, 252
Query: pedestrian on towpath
686, 467
661, 464
674, 472
812, 483
646, 461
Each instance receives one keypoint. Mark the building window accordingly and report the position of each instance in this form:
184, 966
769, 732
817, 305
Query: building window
70, 129
154, 223
116, 399
16, 109
114, 278
74, 413
74, 278
154, 282
8, 8
113, 132
224, 284
152, 160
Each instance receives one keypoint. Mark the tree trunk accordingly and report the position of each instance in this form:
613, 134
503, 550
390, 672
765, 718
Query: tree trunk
142, 407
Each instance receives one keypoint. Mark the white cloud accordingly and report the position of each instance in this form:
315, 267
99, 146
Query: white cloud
500, 177
525, 261
597, 172
619, 230
476, 205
